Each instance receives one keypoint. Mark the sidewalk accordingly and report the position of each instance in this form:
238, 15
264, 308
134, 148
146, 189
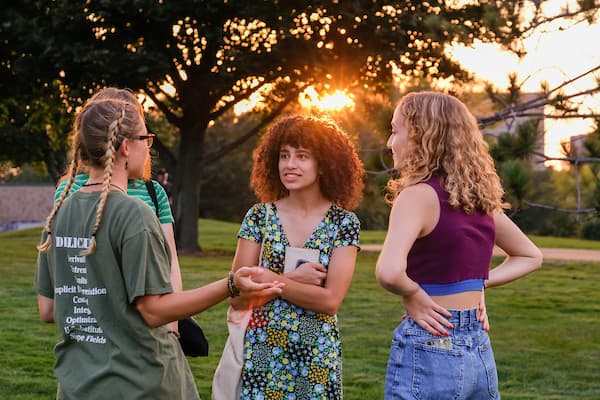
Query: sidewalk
549, 253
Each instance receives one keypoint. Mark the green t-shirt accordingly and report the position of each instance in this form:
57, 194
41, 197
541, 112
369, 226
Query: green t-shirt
107, 349
136, 188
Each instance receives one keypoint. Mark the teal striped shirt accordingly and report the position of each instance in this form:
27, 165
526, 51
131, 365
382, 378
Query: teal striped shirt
136, 188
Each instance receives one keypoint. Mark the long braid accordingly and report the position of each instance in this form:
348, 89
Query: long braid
109, 159
48, 226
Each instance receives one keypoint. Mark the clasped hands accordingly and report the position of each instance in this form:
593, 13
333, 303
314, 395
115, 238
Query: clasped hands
309, 273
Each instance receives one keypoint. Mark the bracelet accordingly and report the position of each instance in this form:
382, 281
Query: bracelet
233, 291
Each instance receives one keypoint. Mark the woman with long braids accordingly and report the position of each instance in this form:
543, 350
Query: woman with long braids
103, 272
137, 188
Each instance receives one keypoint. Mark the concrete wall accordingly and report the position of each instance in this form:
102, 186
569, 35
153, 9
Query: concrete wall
25, 203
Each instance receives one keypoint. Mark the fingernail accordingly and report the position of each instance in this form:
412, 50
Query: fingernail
437, 334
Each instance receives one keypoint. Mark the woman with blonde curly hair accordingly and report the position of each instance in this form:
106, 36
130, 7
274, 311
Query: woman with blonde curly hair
447, 214
103, 272
306, 174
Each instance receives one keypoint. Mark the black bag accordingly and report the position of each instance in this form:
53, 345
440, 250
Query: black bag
192, 339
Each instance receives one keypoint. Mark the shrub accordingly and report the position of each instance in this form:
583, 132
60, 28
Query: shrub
591, 229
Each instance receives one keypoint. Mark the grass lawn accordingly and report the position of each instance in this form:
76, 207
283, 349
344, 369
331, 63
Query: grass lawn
544, 327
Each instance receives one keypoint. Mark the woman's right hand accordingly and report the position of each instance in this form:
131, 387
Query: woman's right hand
251, 281
427, 314
310, 273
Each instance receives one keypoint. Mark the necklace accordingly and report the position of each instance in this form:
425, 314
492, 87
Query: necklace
118, 187
100, 183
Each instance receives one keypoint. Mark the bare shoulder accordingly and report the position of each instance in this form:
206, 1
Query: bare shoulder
419, 195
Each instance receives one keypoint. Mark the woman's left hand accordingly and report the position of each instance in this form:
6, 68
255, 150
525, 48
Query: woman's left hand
310, 273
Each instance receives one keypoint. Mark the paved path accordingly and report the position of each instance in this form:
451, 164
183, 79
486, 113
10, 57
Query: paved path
549, 253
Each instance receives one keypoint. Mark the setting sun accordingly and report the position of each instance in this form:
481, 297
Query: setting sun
335, 101
309, 99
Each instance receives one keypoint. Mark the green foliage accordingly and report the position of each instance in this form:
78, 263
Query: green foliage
539, 221
373, 211
225, 187
546, 319
592, 141
369, 125
554, 188
519, 145
591, 229
35, 127
515, 178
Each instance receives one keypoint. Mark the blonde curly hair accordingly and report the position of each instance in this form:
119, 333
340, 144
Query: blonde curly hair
444, 140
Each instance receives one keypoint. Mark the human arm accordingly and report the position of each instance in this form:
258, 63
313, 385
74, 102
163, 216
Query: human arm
160, 309
175, 274
323, 299
248, 252
44, 285
46, 308
410, 218
523, 257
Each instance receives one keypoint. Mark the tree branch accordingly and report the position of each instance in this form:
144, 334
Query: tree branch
171, 117
537, 22
564, 210
245, 95
216, 155
538, 101
570, 160
553, 116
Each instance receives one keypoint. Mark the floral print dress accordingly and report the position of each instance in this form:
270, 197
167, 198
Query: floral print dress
291, 353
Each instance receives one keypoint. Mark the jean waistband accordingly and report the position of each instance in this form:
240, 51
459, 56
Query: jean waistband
464, 319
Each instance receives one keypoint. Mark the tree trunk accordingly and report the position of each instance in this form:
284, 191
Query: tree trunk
56, 164
187, 191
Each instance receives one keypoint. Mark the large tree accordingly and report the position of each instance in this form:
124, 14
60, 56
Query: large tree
216, 53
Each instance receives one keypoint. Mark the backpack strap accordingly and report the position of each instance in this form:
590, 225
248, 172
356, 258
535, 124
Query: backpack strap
152, 192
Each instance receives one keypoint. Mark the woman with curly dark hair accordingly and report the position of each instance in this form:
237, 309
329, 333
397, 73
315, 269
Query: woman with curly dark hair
306, 174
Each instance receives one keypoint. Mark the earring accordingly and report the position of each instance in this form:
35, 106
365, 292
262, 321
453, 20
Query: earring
126, 163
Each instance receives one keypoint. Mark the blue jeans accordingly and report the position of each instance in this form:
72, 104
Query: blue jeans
423, 366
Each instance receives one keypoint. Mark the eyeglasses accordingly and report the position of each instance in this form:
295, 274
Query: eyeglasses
149, 138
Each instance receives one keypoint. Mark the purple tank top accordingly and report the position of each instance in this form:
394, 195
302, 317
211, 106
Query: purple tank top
459, 248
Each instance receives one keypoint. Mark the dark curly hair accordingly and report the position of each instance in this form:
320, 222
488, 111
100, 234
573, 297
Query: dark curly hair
341, 177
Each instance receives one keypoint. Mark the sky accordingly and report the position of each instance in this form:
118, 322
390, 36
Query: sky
554, 55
